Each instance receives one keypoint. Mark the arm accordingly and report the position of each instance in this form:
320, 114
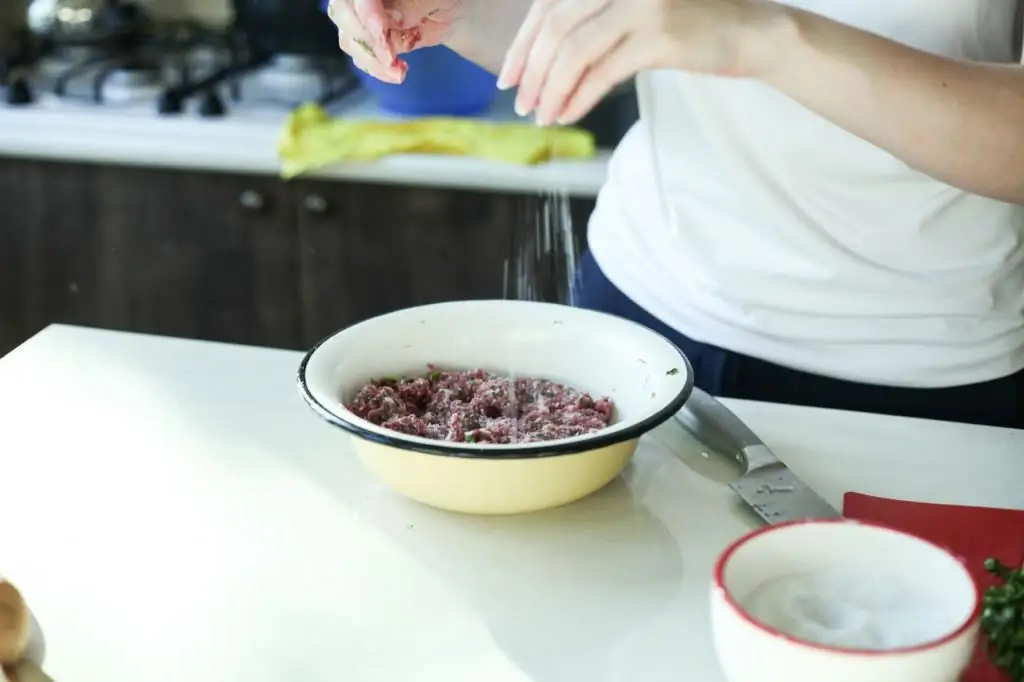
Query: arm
960, 122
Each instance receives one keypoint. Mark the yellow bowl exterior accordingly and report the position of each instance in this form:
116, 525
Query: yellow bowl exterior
494, 486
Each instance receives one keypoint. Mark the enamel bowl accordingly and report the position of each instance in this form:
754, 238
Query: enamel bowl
647, 378
924, 606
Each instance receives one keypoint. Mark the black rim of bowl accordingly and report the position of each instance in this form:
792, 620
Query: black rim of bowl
551, 449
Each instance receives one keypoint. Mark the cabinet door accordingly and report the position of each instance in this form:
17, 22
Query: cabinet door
201, 255
53, 260
16, 184
372, 249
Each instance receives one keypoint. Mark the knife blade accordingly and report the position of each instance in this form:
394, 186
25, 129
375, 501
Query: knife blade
767, 485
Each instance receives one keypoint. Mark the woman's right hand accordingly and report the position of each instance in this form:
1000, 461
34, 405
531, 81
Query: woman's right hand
376, 32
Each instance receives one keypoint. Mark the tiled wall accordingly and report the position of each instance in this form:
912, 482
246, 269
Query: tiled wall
212, 11
12, 12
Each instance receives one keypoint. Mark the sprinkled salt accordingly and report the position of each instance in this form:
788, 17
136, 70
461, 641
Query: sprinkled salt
852, 609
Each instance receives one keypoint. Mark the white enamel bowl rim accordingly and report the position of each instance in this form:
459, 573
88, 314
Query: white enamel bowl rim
347, 421
718, 579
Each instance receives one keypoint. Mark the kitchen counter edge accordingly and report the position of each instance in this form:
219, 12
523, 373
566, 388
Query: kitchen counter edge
250, 148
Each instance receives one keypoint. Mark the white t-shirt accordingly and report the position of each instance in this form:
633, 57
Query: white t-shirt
745, 221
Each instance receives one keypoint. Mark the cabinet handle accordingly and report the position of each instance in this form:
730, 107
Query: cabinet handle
316, 204
251, 200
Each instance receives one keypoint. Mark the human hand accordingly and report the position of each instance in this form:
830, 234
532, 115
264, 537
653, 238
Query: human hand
569, 54
376, 32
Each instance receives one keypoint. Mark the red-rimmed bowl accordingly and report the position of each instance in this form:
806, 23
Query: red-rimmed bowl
770, 586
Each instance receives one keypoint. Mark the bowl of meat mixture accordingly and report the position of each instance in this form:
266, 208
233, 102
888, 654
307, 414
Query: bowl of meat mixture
495, 407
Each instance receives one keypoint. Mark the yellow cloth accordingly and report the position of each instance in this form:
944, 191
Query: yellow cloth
312, 139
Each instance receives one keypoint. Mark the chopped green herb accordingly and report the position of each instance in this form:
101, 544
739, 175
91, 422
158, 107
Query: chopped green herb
434, 376
366, 46
672, 372
1002, 619
470, 438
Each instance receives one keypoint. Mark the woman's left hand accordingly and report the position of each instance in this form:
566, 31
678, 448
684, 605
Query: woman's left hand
569, 54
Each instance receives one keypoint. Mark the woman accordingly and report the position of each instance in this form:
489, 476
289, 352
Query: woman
820, 202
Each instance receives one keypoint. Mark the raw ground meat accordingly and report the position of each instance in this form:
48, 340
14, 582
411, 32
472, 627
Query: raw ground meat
479, 407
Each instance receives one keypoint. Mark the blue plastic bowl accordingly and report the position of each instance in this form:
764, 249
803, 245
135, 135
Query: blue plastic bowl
439, 83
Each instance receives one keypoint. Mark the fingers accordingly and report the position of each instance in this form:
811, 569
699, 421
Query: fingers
366, 61
574, 57
370, 14
558, 35
519, 50
625, 60
362, 35
547, 25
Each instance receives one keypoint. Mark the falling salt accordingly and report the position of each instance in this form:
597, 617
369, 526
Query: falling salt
852, 609
544, 252
541, 264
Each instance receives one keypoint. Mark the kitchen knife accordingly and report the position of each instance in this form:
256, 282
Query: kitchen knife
767, 485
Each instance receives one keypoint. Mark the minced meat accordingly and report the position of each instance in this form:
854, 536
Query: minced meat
479, 407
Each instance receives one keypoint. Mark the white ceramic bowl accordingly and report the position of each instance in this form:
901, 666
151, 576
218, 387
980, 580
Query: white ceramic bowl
647, 378
750, 650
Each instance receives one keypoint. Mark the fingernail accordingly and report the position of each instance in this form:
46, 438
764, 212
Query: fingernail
521, 109
503, 78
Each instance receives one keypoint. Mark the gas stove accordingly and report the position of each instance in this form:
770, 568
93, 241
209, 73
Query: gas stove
168, 69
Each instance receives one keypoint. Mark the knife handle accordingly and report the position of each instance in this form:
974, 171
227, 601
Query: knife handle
715, 425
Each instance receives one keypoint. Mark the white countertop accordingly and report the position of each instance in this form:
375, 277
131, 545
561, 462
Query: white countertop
173, 512
245, 141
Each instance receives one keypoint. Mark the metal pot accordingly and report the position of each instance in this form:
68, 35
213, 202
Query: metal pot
68, 17
298, 27
72, 21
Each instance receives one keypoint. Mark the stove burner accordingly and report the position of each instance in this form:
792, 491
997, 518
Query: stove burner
68, 55
295, 63
133, 79
211, 105
168, 64
135, 74
18, 93
169, 103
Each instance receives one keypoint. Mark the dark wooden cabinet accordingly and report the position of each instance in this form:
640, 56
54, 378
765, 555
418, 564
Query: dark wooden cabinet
371, 249
197, 255
15, 216
201, 255
244, 259
52, 261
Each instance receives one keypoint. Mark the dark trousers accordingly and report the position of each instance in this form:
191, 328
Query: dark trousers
723, 373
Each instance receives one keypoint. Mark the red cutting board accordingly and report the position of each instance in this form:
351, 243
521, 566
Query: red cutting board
972, 533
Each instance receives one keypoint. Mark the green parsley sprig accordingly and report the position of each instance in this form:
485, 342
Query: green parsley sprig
1002, 618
